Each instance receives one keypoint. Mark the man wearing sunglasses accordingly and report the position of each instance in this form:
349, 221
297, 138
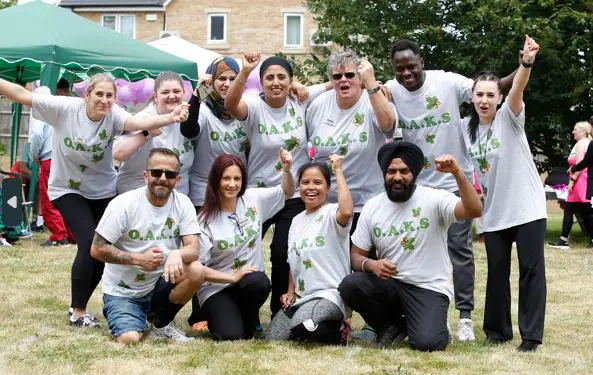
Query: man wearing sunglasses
148, 239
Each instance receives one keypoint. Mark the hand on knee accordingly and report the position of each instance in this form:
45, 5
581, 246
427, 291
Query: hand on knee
195, 273
129, 338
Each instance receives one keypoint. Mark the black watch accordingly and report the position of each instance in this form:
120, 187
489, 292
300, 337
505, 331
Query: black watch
145, 133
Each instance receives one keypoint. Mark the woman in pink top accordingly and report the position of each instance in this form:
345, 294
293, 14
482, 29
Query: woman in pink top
577, 201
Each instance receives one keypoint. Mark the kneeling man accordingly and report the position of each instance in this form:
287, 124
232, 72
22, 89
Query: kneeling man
406, 291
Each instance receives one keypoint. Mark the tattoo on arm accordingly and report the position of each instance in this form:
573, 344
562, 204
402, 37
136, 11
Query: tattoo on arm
111, 254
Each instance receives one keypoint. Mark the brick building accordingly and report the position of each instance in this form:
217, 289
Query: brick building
230, 27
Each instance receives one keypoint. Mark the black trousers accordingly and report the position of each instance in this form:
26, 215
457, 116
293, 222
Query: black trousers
279, 249
584, 211
532, 281
82, 215
383, 302
233, 312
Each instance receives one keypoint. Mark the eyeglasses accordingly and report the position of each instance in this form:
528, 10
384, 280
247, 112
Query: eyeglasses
235, 220
338, 76
157, 173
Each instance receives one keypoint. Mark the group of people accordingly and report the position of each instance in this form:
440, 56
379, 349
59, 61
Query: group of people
201, 183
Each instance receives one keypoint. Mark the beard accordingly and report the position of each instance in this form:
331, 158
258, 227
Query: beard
158, 192
402, 195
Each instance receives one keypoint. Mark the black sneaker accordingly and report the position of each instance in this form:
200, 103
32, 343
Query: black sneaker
48, 243
559, 244
392, 335
528, 346
87, 321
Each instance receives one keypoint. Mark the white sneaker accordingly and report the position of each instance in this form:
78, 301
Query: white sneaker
3, 242
465, 330
170, 332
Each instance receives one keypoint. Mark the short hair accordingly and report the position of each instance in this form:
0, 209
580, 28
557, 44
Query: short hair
403, 45
167, 76
341, 59
323, 168
63, 84
165, 152
98, 78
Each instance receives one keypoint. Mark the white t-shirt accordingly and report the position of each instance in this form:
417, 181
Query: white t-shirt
227, 244
131, 223
81, 156
319, 256
506, 172
268, 129
216, 137
429, 117
412, 235
130, 175
353, 133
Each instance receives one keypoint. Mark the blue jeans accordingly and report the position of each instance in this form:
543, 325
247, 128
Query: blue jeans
129, 314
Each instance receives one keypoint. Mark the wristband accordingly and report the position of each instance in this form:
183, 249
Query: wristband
526, 65
362, 265
145, 133
374, 90
242, 82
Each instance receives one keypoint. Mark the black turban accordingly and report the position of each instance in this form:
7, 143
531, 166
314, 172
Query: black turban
409, 153
275, 60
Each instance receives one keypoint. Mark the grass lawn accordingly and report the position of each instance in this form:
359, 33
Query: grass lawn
35, 339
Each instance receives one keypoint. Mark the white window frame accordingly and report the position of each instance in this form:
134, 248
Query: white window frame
224, 29
302, 18
118, 21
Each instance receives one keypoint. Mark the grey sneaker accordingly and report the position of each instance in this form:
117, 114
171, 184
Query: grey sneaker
392, 335
170, 332
365, 334
87, 320
465, 330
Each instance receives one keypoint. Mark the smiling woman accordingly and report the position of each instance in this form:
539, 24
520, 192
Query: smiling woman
82, 176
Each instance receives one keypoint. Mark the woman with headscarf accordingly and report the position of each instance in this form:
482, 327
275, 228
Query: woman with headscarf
273, 120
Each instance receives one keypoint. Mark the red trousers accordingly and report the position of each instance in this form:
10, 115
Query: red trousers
51, 216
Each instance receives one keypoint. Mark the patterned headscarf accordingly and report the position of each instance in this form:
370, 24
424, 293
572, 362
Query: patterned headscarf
214, 101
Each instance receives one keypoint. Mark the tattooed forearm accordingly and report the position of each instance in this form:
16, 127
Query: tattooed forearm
103, 250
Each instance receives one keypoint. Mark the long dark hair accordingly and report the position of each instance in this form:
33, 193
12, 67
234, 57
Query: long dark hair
213, 202
474, 121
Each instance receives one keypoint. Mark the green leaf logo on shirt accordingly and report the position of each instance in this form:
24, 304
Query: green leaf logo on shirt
432, 102
122, 284
243, 145
237, 264
278, 167
291, 112
307, 263
291, 143
358, 119
343, 151
301, 285
260, 184
83, 168
484, 165
416, 211
74, 184
251, 244
427, 163
140, 277
408, 243
169, 222
103, 135
429, 138
251, 212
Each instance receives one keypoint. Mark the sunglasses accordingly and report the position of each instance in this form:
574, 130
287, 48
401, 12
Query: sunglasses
157, 173
338, 76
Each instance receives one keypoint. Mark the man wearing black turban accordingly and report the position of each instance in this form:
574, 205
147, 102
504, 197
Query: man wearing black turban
407, 290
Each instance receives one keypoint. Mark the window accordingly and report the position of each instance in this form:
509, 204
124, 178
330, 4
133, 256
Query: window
124, 24
216, 27
293, 30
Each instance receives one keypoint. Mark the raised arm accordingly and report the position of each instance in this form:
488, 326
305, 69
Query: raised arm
232, 102
125, 148
345, 205
386, 116
515, 97
287, 179
470, 206
16, 93
190, 127
586, 162
141, 122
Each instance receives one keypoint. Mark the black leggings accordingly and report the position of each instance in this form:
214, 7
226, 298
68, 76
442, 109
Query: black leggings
82, 215
532, 281
279, 249
584, 211
233, 312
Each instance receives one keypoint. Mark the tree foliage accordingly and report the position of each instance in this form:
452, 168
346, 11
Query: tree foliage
7, 3
470, 36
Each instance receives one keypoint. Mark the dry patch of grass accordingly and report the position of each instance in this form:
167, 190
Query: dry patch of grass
36, 339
